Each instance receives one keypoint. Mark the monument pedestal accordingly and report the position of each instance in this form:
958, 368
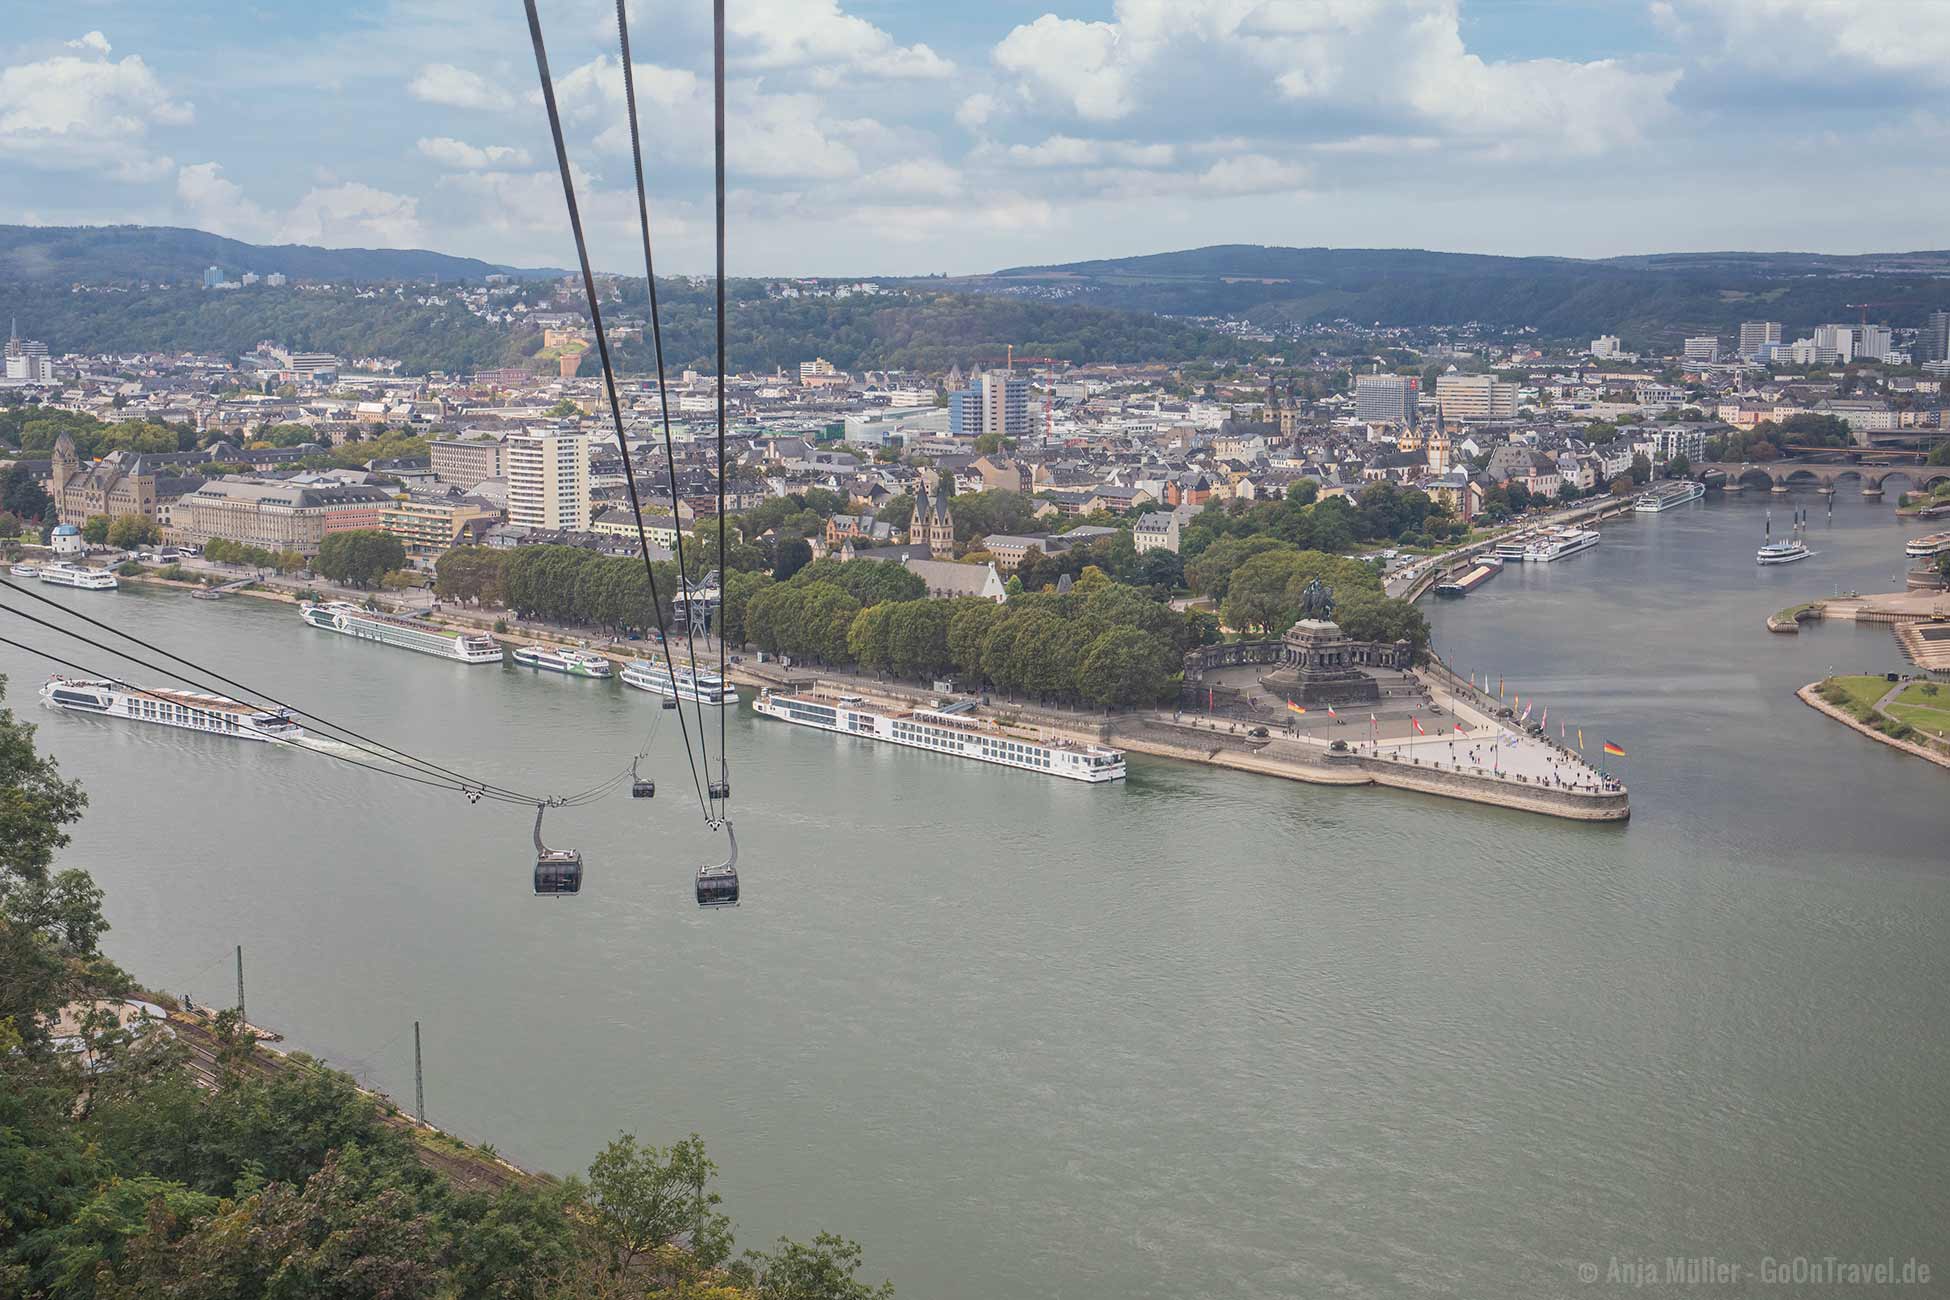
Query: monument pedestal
1320, 665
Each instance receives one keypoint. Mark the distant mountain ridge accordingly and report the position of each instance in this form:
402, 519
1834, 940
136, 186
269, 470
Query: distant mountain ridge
1650, 299
133, 254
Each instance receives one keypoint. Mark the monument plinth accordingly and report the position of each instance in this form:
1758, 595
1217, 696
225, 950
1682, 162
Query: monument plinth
1323, 665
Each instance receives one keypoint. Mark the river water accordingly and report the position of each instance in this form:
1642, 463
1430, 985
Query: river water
1199, 1034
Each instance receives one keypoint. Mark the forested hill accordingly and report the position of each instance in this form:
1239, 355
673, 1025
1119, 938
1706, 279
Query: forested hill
135, 254
931, 331
1646, 299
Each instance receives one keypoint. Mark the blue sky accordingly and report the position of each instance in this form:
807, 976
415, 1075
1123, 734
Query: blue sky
940, 135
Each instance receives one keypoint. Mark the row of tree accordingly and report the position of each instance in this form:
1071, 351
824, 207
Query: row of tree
1382, 512
125, 532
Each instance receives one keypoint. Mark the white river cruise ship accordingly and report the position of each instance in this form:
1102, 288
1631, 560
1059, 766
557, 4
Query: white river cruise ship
406, 633
951, 729
697, 687
191, 710
63, 574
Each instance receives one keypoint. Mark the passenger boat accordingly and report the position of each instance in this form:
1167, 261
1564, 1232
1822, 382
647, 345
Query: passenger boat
405, 633
949, 729
1773, 552
1514, 548
26, 569
553, 659
191, 710
62, 574
1559, 543
1926, 546
1665, 499
696, 686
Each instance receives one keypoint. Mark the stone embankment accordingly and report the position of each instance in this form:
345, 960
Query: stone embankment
1811, 697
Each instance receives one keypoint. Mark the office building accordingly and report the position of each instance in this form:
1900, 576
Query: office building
1386, 399
1704, 347
997, 402
1874, 342
275, 514
1755, 335
1475, 397
430, 524
213, 277
548, 479
467, 461
1934, 340
1835, 342
1605, 347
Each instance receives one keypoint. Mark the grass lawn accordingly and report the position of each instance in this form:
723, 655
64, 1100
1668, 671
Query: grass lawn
1924, 706
1856, 695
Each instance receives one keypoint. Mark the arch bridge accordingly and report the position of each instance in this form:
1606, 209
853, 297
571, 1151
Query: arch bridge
1793, 474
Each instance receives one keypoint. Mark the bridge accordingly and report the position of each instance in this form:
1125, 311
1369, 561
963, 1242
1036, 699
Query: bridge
1786, 474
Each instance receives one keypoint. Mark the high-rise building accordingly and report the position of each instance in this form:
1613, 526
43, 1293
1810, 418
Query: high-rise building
548, 479
1933, 341
1836, 342
997, 402
1757, 334
1605, 347
27, 359
1475, 397
1874, 342
1704, 347
1386, 399
213, 277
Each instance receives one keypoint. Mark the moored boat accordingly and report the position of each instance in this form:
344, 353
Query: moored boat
62, 574
556, 659
405, 633
948, 729
1928, 545
696, 686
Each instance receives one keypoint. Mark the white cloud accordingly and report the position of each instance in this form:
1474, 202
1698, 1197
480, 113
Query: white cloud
1383, 59
1072, 62
819, 35
352, 214
449, 152
1071, 151
1816, 35
1252, 173
218, 205
929, 177
975, 111
73, 113
443, 83
344, 214
92, 41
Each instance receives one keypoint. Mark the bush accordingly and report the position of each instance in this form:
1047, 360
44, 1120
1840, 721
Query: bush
130, 569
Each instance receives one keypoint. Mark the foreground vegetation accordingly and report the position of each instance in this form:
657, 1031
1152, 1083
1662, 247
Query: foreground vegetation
1919, 713
285, 1182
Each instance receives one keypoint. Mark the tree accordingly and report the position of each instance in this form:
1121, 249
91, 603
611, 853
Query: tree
94, 529
825, 1270
130, 531
1641, 467
645, 1197
360, 557
794, 555
21, 494
36, 804
1679, 466
1123, 666
1567, 491
1159, 567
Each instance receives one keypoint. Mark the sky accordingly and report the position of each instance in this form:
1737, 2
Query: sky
956, 136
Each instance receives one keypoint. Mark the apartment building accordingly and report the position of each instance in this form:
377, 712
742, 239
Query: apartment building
548, 479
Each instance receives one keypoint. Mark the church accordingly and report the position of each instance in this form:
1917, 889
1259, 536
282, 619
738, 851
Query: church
933, 524
120, 483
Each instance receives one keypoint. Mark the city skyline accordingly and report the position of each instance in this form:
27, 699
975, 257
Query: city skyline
875, 140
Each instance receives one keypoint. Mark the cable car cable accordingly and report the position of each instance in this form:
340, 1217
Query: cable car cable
663, 403
602, 346
717, 70
376, 748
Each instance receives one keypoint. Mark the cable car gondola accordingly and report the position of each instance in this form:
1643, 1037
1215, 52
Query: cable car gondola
557, 871
717, 886
721, 789
639, 787
670, 701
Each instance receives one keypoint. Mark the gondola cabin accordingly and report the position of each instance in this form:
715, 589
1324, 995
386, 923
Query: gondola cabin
558, 872
641, 789
717, 886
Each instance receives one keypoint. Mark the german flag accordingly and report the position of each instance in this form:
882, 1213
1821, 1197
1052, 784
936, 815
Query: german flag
1612, 748
1295, 708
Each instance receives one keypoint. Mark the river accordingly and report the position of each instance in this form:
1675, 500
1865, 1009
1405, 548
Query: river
1200, 1034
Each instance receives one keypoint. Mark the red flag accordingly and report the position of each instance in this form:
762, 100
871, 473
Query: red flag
1459, 726
1417, 724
